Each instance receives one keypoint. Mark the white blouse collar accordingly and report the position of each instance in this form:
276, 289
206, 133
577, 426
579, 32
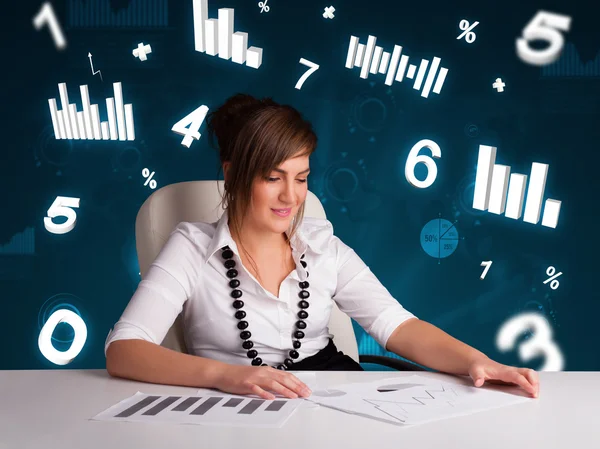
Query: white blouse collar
301, 241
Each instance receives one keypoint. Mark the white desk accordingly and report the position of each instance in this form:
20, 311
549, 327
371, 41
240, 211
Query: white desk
50, 409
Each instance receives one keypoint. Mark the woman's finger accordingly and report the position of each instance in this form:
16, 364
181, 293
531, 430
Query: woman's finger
533, 378
262, 393
276, 386
295, 384
522, 381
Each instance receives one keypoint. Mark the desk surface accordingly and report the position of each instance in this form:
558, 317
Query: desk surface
50, 409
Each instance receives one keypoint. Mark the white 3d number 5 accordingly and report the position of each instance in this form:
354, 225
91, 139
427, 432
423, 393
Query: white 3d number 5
61, 207
543, 26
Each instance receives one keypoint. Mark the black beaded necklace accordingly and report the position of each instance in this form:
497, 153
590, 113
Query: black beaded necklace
245, 335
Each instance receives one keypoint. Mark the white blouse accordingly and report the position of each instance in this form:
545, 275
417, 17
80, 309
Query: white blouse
189, 275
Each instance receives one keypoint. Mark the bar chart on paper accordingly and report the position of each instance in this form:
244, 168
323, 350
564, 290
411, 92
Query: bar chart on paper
372, 59
69, 123
216, 37
492, 182
227, 410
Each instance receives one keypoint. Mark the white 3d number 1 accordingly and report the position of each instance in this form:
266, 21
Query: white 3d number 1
543, 26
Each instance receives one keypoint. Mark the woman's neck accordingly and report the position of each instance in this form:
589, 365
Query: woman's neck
261, 244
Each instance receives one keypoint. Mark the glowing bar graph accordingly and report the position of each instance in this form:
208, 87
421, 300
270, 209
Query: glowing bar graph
216, 36
373, 60
69, 123
498, 191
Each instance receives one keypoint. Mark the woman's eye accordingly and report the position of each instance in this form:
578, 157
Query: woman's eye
276, 179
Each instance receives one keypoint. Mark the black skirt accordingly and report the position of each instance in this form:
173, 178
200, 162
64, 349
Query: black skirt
327, 359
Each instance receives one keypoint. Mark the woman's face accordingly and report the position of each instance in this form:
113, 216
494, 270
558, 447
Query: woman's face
276, 199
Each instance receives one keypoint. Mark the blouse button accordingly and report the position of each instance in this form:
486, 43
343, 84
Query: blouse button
232, 273
248, 344
294, 354
304, 284
302, 314
238, 303
257, 361
299, 334
288, 362
230, 263
227, 254
302, 304
299, 324
236, 293
297, 344
252, 353
240, 315
242, 325
234, 283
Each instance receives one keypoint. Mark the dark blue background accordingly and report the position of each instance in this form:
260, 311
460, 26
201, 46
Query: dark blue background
357, 170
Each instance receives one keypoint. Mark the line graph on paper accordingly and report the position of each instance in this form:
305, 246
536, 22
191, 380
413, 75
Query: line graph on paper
411, 400
214, 410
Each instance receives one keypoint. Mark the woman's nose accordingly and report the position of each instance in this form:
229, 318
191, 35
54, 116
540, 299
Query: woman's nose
289, 193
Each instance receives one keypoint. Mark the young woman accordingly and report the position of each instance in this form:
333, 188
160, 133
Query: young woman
256, 288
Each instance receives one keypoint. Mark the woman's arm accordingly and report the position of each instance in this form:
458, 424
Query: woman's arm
428, 345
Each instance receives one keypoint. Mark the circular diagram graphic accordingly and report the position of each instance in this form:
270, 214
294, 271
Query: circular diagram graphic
439, 238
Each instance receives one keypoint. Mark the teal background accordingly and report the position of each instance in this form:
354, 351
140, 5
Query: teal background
365, 129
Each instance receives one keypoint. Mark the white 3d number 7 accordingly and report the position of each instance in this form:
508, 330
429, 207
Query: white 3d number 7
194, 119
543, 26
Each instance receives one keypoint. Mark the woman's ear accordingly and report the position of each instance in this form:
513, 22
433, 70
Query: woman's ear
226, 166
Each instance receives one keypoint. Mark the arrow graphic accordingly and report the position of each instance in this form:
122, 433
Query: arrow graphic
92, 65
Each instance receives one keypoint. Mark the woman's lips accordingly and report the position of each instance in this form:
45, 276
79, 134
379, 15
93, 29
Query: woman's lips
282, 212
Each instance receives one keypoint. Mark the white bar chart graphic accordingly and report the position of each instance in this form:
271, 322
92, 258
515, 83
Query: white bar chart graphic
372, 59
216, 36
500, 192
69, 123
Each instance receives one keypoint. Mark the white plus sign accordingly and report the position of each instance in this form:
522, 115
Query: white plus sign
499, 85
141, 51
328, 14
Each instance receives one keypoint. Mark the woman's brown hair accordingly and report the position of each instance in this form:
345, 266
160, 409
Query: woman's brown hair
256, 136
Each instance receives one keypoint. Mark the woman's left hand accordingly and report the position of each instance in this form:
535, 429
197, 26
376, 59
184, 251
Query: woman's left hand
485, 369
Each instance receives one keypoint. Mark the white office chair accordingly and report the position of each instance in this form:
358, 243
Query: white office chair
200, 201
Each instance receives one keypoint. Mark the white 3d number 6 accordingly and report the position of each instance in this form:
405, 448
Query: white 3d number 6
414, 158
543, 26
61, 207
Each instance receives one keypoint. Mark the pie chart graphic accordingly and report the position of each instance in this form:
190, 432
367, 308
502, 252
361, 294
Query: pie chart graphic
439, 238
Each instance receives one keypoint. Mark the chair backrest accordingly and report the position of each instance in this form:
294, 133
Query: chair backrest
195, 201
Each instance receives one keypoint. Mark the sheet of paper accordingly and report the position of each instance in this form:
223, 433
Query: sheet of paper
213, 409
414, 399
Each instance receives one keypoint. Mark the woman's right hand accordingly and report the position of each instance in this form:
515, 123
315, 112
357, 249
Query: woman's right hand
262, 381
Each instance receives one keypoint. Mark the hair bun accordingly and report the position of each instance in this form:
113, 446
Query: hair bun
230, 115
